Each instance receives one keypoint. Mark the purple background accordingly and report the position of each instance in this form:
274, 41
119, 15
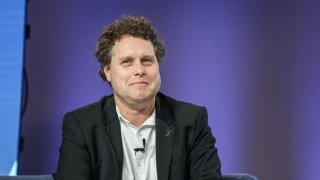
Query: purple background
253, 64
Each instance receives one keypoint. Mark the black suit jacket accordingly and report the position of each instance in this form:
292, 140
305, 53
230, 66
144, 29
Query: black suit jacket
92, 149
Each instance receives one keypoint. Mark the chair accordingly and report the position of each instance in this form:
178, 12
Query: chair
229, 176
238, 176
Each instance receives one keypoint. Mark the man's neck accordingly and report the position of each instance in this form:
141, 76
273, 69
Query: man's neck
136, 114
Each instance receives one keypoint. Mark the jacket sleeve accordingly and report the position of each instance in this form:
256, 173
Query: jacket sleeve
74, 161
204, 160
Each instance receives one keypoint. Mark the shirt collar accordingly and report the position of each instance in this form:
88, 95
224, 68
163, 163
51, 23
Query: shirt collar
151, 121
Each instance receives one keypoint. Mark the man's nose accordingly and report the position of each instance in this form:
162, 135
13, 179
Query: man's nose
139, 69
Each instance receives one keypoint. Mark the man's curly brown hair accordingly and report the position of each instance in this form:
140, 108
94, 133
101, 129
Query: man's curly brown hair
128, 25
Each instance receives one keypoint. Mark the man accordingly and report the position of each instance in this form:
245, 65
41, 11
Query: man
137, 133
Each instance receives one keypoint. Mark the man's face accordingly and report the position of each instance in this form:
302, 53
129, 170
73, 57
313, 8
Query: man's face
133, 71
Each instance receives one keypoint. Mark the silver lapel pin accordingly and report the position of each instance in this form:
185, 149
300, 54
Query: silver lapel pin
168, 133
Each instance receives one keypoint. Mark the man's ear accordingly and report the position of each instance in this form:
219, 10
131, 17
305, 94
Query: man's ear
106, 70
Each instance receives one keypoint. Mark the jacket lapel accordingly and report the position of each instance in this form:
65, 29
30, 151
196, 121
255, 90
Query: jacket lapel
113, 132
164, 139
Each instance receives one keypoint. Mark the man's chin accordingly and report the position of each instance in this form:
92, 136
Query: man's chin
143, 98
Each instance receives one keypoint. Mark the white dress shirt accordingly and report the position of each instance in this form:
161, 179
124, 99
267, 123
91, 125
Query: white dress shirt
138, 165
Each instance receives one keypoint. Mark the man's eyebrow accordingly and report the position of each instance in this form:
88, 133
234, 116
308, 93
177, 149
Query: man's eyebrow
148, 56
143, 57
125, 57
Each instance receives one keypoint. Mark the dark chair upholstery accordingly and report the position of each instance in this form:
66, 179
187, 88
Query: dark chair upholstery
238, 176
231, 176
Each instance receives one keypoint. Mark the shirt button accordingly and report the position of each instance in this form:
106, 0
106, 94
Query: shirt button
139, 164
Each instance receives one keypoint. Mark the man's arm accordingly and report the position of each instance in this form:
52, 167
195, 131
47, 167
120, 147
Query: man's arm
74, 161
204, 161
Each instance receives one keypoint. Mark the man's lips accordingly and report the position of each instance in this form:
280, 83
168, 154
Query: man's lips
139, 83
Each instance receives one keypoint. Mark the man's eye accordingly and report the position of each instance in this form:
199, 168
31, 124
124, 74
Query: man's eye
126, 61
147, 61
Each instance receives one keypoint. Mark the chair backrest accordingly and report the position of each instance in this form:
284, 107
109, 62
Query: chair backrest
36, 177
238, 176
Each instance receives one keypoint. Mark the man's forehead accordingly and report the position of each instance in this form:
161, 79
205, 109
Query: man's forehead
132, 46
129, 38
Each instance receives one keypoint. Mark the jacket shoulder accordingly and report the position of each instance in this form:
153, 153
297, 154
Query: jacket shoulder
177, 104
179, 111
92, 112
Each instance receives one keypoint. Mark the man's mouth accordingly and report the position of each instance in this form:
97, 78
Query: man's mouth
139, 83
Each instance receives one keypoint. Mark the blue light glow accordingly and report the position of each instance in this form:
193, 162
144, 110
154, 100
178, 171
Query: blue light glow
12, 23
